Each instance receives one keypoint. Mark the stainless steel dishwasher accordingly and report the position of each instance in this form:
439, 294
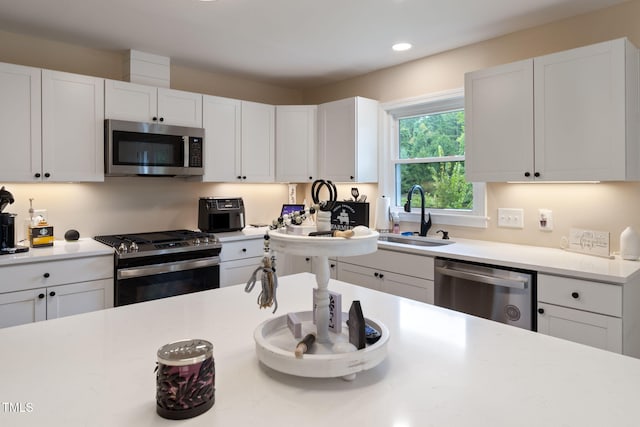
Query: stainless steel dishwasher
498, 293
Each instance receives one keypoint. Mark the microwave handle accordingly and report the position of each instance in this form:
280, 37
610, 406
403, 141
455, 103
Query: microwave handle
185, 145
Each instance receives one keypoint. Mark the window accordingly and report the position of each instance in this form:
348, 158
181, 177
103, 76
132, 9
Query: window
425, 146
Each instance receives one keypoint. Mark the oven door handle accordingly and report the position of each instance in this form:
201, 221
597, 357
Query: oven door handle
489, 280
169, 267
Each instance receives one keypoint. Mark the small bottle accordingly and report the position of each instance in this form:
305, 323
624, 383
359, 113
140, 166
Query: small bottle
396, 223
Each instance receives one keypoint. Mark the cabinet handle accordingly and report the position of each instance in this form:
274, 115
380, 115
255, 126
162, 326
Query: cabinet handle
381, 275
310, 178
37, 175
541, 310
40, 296
46, 275
47, 175
244, 250
307, 259
527, 174
155, 119
536, 174
162, 119
352, 177
376, 274
575, 295
52, 294
244, 177
332, 266
239, 177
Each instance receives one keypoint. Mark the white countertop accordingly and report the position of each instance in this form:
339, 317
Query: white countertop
544, 260
443, 369
61, 249
249, 232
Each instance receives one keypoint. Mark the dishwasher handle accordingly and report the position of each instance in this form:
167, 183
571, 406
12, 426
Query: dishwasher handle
482, 278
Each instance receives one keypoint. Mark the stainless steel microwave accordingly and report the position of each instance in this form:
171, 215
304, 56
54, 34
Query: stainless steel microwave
153, 149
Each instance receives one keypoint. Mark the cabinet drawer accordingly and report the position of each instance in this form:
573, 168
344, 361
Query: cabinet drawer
407, 264
51, 273
585, 295
240, 249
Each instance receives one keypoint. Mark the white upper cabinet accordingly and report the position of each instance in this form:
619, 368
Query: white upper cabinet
239, 140
20, 121
348, 140
72, 127
141, 103
258, 142
568, 116
221, 121
296, 142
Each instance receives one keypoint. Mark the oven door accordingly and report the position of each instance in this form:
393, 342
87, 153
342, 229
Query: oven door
149, 282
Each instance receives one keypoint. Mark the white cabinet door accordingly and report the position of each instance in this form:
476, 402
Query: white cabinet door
142, 103
72, 127
348, 140
130, 101
176, 107
221, 121
238, 271
583, 327
258, 142
296, 142
358, 275
499, 123
17, 308
392, 283
76, 298
580, 121
20, 121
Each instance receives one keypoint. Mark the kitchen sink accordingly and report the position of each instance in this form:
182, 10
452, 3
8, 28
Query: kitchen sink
413, 240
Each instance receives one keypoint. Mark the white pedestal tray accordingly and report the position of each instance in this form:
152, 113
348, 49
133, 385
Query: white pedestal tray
331, 355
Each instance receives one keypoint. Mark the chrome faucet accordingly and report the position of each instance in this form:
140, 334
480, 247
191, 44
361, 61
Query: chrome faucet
424, 225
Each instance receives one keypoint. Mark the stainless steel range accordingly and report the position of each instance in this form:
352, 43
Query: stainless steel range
161, 264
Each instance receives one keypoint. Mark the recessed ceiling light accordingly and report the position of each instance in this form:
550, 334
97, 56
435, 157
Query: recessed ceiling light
399, 47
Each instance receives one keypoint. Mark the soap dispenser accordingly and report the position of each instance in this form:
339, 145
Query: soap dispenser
630, 244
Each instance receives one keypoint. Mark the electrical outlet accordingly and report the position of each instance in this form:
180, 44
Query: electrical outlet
510, 218
545, 219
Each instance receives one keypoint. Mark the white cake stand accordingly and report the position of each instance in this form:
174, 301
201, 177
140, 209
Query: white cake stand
331, 356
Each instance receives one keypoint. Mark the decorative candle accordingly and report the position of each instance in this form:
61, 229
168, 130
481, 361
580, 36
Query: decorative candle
185, 379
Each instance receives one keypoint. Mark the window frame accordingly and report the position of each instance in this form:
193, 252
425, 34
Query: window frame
431, 103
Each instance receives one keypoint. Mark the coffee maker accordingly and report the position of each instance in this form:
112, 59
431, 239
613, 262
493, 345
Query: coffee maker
8, 226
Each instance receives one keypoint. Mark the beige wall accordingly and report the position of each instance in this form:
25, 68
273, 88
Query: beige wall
136, 204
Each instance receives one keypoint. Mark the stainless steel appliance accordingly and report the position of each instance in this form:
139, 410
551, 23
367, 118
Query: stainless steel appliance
217, 214
161, 264
138, 148
8, 226
497, 293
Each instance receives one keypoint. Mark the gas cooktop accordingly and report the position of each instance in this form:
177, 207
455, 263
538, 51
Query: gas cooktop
159, 242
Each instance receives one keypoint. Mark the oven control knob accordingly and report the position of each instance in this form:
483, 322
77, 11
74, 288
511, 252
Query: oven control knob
122, 248
205, 239
196, 241
133, 247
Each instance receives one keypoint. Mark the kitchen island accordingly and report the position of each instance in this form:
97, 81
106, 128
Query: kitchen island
442, 369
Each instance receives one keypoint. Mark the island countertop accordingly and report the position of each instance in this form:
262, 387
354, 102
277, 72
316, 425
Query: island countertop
443, 368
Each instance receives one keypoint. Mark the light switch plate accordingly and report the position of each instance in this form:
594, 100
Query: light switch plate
510, 218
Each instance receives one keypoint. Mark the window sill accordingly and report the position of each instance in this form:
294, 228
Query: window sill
443, 218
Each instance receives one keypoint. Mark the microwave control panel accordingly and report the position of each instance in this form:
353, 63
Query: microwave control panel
195, 152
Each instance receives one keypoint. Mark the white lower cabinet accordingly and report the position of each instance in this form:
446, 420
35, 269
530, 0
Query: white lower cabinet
396, 273
239, 259
52, 289
588, 312
292, 264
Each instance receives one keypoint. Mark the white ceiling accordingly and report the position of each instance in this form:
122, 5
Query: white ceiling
292, 43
